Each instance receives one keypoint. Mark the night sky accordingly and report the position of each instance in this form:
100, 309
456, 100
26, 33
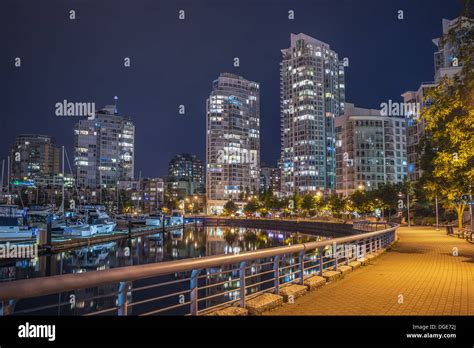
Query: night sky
174, 62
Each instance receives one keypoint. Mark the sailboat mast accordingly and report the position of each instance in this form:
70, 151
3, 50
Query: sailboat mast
8, 175
3, 172
64, 179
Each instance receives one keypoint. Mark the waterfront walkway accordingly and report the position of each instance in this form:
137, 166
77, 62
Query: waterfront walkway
420, 271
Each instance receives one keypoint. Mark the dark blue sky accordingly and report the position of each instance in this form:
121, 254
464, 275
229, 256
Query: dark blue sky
174, 62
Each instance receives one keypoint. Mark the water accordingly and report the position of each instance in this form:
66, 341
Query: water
190, 242
180, 244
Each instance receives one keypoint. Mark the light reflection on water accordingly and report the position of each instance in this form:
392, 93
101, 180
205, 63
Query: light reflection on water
191, 243
180, 244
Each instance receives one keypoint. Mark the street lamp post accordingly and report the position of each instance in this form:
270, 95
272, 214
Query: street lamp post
437, 220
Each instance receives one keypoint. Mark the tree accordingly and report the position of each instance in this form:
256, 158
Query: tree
307, 202
230, 236
230, 208
297, 200
361, 202
252, 206
337, 204
268, 199
448, 148
263, 211
386, 197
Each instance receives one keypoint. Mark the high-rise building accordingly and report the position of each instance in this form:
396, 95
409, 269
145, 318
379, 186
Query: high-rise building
370, 149
446, 64
265, 178
446, 61
34, 156
270, 179
232, 140
415, 129
275, 181
312, 95
144, 195
186, 171
104, 149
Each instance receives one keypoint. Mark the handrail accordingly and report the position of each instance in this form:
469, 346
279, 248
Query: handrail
28, 288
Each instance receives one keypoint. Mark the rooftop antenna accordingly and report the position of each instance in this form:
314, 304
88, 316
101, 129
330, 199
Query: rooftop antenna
115, 103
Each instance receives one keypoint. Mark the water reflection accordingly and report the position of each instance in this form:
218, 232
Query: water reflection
191, 242
180, 244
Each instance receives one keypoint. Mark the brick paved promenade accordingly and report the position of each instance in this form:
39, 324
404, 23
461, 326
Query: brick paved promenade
420, 267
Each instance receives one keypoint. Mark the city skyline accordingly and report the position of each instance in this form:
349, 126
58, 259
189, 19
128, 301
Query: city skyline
156, 116
250, 158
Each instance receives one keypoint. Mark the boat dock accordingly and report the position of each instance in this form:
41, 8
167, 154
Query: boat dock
60, 243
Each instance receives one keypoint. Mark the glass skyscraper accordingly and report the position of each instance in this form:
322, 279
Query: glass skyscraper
312, 95
232, 140
104, 149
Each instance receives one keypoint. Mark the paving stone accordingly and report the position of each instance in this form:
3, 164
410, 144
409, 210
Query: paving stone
263, 302
344, 269
229, 311
355, 264
294, 290
332, 275
314, 282
420, 266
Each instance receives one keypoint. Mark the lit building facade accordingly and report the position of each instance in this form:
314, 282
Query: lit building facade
312, 92
104, 149
370, 149
275, 181
270, 179
185, 175
446, 64
144, 196
415, 130
34, 156
232, 140
265, 178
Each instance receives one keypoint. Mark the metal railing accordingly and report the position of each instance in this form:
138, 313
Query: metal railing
189, 286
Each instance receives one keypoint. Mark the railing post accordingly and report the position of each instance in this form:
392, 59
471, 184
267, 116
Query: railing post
276, 273
122, 302
301, 261
7, 307
194, 291
364, 247
320, 252
334, 255
346, 252
242, 266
